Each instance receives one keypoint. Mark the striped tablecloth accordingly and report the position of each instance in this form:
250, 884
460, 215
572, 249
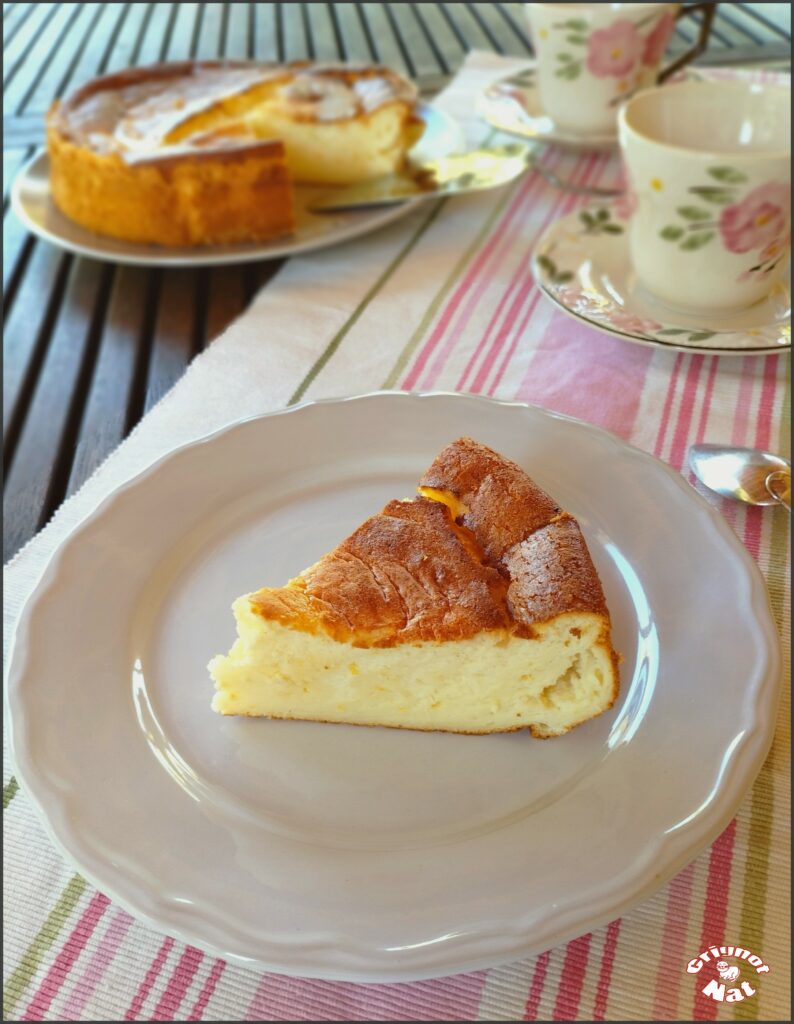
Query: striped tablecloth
442, 300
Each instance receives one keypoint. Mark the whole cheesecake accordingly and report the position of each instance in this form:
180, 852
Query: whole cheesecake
199, 153
472, 608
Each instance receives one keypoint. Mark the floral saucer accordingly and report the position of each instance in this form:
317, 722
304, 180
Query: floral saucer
582, 264
513, 105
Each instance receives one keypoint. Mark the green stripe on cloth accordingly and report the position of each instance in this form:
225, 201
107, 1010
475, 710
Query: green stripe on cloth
457, 272
10, 790
762, 807
337, 339
21, 977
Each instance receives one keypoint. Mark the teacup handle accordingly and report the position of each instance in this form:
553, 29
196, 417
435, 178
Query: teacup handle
708, 10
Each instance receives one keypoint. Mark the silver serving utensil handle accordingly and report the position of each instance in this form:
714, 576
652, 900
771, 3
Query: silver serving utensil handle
450, 175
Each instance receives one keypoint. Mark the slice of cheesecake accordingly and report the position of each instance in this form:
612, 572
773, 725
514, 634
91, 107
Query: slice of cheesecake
472, 608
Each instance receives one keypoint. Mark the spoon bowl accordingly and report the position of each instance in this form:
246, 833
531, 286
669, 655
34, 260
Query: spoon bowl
744, 474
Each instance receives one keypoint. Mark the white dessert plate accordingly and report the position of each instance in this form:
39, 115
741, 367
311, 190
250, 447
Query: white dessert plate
513, 105
32, 201
363, 853
582, 264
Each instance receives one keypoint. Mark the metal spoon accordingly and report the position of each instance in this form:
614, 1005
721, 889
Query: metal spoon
743, 474
467, 172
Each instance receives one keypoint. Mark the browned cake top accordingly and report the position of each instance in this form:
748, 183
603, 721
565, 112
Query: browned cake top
412, 573
136, 110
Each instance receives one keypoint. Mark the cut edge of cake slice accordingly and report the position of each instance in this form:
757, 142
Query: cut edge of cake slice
473, 608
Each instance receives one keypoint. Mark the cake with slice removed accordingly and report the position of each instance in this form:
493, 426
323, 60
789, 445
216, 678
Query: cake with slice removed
472, 608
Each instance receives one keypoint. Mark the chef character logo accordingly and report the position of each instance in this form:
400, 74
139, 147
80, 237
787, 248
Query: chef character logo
723, 985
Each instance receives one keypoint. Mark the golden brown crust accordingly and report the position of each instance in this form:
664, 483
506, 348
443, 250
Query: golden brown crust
404, 576
551, 573
411, 573
503, 505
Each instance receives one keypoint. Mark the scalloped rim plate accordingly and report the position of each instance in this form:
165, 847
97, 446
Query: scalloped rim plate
31, 201
369, 854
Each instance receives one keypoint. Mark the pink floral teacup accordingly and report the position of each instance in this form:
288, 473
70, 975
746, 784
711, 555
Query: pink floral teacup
592, 57
708, 168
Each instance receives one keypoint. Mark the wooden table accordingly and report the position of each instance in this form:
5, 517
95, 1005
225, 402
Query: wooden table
89, 346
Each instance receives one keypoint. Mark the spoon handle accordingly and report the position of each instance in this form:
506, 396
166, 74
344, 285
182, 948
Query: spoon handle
779, 486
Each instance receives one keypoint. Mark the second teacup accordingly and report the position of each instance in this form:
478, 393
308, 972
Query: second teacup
591, 57
709, 177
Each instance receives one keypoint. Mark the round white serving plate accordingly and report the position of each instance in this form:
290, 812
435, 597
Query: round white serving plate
590, 277
31, 200
375, 854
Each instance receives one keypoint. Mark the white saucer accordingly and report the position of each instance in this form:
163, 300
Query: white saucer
32, 202
582, 264
513, 105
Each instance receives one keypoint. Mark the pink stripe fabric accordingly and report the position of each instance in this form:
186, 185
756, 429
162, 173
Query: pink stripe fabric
522, 281
572, 979
528, 288
673, 946
207, 989
151, 976
66, 959
605, 974
282, 998
465, 285
716, 909
178, 984
98, 964
482, 275
613, 398
668, 405
685, 412
536, 986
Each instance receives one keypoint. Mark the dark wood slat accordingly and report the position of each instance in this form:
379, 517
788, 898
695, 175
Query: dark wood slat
12, 161
174, 341
354, 38
266, 32
417, 52
28, 93
14, 19
27, 330
123, 49
178, 38
211, 34
236, 44
471, 32
751, 10
153, 37
226, 299
382, 36
18, 245
513, 15
438, 54
37, 478
451, 47
493, 23
322, 32
17, 52
82, 49
104, 422
746, 30
295, 26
